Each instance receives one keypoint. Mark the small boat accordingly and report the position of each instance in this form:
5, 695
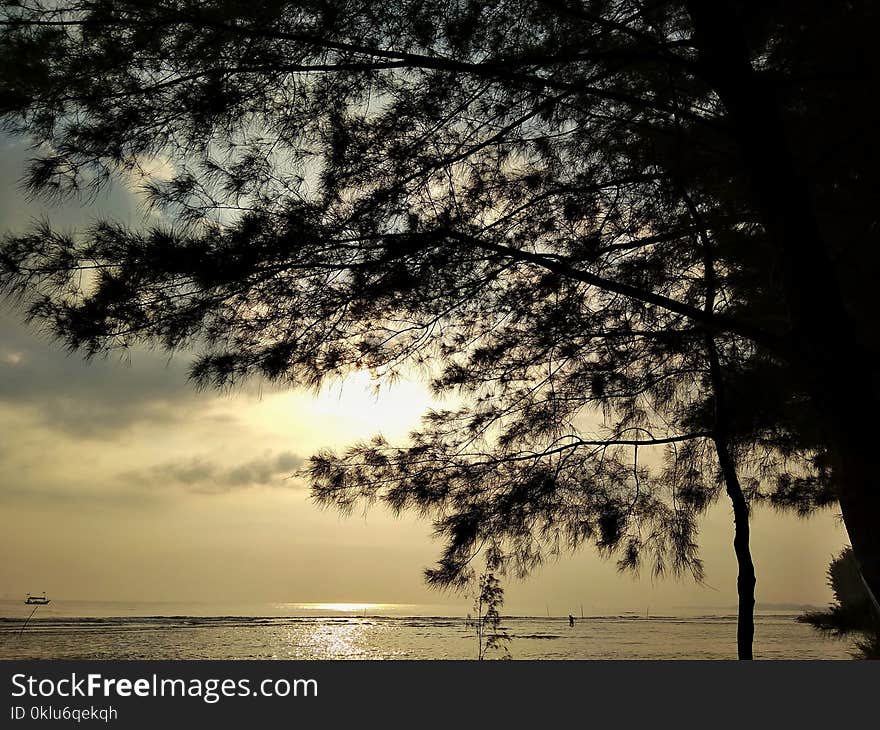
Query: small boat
36, 600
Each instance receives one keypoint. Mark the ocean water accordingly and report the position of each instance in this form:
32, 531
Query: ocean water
80, 630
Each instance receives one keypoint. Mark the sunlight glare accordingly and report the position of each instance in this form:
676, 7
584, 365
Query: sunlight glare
347, 410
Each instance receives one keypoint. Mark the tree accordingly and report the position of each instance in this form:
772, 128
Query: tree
487, 617
798, 193
852, 612
603, 222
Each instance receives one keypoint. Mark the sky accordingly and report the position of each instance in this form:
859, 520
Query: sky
118, 481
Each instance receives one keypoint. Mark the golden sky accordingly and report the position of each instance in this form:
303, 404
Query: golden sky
119, 482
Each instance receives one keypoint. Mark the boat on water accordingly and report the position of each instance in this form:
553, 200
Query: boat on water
36, 600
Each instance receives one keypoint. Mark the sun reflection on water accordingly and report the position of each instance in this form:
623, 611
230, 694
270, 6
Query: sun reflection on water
331, 638
346, 607
318, 609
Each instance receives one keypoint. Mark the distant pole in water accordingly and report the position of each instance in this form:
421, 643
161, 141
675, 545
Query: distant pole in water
548, 610
582, 610
27, 621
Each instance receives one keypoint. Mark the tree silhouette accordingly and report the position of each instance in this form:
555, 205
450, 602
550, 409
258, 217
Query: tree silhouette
852, 612
613, 226
486, 621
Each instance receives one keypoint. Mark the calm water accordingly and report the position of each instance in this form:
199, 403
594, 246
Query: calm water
73, 630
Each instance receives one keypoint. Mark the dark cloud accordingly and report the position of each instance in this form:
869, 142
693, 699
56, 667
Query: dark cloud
99, 398
202, 475
18, 211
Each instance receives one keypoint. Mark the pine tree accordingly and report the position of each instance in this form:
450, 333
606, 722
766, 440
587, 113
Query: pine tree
612, 226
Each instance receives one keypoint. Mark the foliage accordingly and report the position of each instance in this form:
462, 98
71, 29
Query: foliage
515, 199
486, 622
852, 613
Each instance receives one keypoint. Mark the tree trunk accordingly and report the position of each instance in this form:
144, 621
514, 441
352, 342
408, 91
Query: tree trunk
860, 506
745, 579
824, 351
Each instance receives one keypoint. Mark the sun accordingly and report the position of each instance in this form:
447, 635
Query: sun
393, 408
347, 410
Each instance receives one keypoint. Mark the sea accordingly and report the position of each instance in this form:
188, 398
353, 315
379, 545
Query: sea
118, 630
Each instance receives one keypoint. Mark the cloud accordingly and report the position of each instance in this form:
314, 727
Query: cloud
204, 476
117, 200
98, 399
